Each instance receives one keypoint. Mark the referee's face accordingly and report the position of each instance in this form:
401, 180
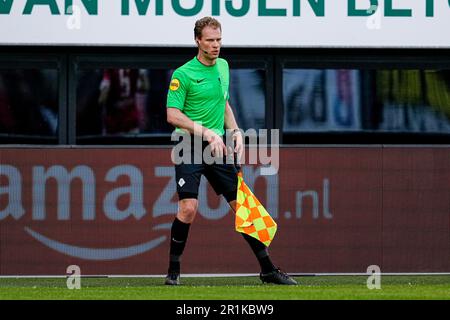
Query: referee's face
210, 42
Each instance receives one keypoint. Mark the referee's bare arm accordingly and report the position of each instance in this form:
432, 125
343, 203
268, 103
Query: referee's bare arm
230, 120
178, 119
230, 123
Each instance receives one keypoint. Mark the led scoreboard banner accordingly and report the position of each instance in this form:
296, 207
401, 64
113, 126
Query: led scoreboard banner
246, 23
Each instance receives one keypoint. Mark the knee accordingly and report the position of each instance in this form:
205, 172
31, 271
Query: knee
187, 211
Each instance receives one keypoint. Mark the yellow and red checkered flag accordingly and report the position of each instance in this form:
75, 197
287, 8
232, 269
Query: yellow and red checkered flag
251, 217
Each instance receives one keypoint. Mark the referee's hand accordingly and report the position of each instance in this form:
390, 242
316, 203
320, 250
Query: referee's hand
239, 145
218, 148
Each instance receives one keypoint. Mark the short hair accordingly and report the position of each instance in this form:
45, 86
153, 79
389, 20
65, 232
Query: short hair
203, 23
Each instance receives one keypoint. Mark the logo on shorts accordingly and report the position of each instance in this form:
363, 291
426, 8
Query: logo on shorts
174, 85
181, 182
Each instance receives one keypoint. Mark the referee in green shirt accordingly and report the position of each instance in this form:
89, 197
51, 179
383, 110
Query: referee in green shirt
197, 105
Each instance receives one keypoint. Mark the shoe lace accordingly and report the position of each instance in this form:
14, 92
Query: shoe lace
173, 276
282, 274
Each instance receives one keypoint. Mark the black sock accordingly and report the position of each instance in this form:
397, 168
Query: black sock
178, 237
261, 253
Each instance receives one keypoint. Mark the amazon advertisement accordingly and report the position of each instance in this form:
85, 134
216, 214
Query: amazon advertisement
109, 211
246, 23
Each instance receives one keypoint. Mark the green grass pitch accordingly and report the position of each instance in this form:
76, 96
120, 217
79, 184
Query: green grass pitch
405, 287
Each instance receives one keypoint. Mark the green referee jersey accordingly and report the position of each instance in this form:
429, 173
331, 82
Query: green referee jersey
201, 93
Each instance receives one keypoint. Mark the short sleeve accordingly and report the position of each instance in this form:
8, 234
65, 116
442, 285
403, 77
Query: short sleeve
177, 91
225, 75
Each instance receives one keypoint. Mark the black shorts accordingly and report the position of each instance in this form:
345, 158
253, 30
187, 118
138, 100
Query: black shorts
221, 176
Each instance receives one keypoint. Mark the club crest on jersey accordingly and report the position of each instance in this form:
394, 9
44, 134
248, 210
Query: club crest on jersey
174, 85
